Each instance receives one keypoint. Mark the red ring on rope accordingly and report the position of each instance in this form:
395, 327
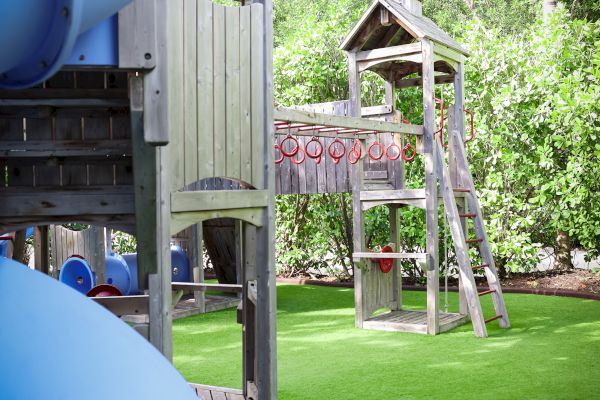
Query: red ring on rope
398, 149
294, 150
301, 160
411, 148
381, 151
386, 264
336, 156
279, 160
318, 160
319, 150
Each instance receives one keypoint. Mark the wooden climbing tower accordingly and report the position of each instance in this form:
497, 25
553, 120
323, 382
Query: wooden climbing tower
394, 40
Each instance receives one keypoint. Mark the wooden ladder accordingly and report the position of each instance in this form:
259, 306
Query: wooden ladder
461, 243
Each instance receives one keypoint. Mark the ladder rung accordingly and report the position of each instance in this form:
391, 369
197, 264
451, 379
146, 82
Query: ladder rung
493, 318
471, 241
462, 190
467, 215
480, 266
487, 292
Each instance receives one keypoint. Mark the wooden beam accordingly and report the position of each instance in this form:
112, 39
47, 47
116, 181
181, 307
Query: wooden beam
395, 256
101, 148
402, 83
431, 190
214, 200
389, 52
217, 287
79, 202
286, 114
124, 305
384, 17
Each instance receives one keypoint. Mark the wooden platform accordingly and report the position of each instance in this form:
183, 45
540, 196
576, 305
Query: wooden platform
412, 321
206, 392
186, 308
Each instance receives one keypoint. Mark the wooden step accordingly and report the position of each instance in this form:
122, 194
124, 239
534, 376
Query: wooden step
480, 266
493, 318
361, 255
461, 190
467, 215
487, 292
473, 241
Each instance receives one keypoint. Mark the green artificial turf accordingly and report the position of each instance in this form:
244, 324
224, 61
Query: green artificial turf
552, 351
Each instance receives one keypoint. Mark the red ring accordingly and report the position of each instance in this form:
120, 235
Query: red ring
289, 153
381, 151
336, 161
301, 160
411, 148
279, 160
316, 154
318, 160
77, 256
333, 154
353, 160
387, 152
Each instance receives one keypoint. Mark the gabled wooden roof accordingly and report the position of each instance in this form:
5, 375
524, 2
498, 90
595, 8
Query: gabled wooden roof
418, 26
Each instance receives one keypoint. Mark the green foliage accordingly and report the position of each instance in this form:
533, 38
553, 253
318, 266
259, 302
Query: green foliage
537, 101
123, 243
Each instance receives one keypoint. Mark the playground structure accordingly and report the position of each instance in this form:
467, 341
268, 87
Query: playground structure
170, 127
367, 157
160, 120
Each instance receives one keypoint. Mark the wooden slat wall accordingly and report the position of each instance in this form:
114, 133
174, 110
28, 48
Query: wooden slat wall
63, 127
213, 70
64, 243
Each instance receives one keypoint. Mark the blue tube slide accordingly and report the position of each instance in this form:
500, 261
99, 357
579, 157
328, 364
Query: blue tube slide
46, 352
37, 37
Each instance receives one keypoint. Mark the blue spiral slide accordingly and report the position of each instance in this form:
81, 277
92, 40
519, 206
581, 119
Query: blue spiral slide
58, 344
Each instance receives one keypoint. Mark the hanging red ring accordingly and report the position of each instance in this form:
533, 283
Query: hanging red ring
332, 151
381, 151
301, 160
294, 150
279, 160
398, 149
411, 148
318, 160
355, 151
386, 264
319, 150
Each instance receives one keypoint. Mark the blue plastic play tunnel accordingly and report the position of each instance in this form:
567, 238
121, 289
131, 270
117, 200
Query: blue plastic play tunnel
180, 267
37, 37
46, 352
118, 273
77, 273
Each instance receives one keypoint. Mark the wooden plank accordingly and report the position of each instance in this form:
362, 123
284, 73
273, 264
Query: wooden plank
125, 305
431, 213
190, 93
137, 36
206, 115
261, 132
232, 77
245, 95
217, 200
312, 118
77, 148
373, 255
64, 203
42, 249
220, 287
396, 194
220, 91
177, 96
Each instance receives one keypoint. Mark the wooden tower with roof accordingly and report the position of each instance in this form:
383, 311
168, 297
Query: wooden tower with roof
394, 40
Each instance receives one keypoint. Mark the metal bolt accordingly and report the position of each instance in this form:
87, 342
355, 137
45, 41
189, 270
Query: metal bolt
82, 57
65, 12
148, 56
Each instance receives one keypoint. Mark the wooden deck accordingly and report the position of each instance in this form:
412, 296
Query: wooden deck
412, 321
186, 308
206, 392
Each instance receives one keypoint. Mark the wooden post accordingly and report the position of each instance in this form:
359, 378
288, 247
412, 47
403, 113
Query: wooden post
397, 271
42, 249
198, 246
356, 177
19, 246
152, 209
97, 241
431, 191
